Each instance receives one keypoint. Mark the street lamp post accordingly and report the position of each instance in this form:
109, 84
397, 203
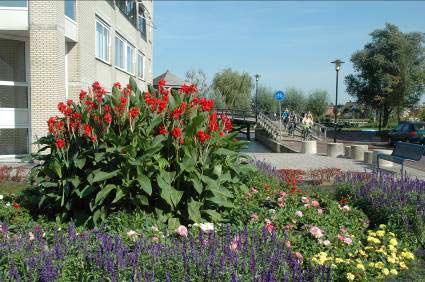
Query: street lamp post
338, 64
257, 77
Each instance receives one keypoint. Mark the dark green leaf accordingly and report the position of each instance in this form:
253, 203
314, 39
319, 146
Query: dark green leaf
145, 183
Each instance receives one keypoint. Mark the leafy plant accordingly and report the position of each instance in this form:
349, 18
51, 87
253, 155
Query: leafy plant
161, 151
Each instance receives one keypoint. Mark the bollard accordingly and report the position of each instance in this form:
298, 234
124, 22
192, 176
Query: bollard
368, 157
347, 151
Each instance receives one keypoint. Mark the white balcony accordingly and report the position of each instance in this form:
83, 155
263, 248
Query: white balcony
13, 15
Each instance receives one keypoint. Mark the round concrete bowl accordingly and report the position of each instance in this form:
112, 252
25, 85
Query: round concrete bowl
335, 150
382, 163
357, 152
309, 147
347, 151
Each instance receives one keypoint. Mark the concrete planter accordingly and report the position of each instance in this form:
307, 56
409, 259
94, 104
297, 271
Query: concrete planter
309, 147
335, 149
357, 152
368, 157
347, 151
382, 163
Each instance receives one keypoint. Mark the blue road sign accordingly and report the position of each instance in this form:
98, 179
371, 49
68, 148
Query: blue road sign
279, 95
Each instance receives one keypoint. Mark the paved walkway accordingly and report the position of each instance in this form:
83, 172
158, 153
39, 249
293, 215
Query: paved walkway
308, 162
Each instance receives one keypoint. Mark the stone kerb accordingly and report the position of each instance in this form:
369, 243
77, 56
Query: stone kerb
357, 152
309, 147
335, 149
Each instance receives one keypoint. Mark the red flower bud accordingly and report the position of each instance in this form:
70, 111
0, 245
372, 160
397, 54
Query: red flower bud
176, 132
60, 143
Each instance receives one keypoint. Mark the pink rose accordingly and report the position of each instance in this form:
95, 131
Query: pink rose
234, 246
307, 206
340, 237
281, 202
254, 217
305, 199
298, 256
282, 194
316, 232
348, 241
315, 203
299, 213
320, 211
254, 190
182, 231
155, 239
269, 226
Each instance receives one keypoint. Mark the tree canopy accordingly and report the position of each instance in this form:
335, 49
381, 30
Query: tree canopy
235, 87
294, 100
198, 77
317, 102
389, 70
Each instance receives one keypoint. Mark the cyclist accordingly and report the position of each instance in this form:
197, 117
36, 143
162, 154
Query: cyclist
292, 124
285, 117
307, 123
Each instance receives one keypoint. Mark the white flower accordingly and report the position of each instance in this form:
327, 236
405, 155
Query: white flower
154, 228
1, 197
132, 233
7, 204
207, 227
31, 236
272, 211
346, 208
326, 242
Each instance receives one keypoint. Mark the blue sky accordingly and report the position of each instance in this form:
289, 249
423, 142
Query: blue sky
290, 44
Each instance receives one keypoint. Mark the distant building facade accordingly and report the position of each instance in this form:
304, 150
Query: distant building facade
49, 50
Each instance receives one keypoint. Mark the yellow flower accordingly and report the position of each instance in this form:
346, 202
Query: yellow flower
371, 233
350, 276
393, 242
385, 271
403, 265
339, 260
391, 259
379, 265
362, 253
382, 226
392, 248
373, 240
360, 266
408, 255
380, 233
391, 234
393, 271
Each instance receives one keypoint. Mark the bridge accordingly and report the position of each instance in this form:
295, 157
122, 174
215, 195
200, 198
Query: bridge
244, 120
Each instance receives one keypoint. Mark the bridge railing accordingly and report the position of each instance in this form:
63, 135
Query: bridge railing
270, 126
243, 115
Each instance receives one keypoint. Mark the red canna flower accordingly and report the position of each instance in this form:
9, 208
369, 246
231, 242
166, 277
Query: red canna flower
212, 122
107, 108
117, 85
206, 104
107, 117
163, 130
133, 112
181, 141
62, 107
87, 130
227, 122
178, 111
51, 124
60, 143
83, 94
221, 133
202, 136
188, 88
69, 102
16, 205
176, 132
161, 83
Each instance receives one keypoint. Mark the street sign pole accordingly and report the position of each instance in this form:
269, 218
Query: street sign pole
279, 96
280, 115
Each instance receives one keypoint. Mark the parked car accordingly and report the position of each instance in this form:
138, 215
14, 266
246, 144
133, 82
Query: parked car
408, 131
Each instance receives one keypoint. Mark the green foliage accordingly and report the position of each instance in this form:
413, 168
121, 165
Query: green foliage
389, 70
235, 87
161, 152
294, 100
199, 78
266, 100
317, 103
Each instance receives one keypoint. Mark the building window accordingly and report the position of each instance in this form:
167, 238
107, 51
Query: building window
140, 65
128, 7
124, 54
14, 3
70, 9
141, 20
102, 41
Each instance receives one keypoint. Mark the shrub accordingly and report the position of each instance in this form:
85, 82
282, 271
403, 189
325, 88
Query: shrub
162, 151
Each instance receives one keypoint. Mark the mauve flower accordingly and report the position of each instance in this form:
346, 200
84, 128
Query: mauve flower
182, 231
282, 194
348, 241
269, 226
299, 213
316, 232
340, 237
155, 238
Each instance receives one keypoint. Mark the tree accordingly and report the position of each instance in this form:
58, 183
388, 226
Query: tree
389, 71
317, 102
198, 77
266, 101
235, 87
294, 100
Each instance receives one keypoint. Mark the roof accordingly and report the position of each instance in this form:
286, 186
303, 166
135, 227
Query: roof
171, 79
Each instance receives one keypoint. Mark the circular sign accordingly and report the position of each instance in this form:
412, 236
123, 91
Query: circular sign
279, 95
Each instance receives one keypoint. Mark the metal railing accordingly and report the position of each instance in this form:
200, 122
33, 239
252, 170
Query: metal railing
270, 126
238, 115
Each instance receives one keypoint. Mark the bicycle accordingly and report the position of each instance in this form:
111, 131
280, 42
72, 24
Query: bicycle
291, 129
306, 134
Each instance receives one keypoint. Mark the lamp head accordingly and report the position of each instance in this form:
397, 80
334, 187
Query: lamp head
257, 77
338, 64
